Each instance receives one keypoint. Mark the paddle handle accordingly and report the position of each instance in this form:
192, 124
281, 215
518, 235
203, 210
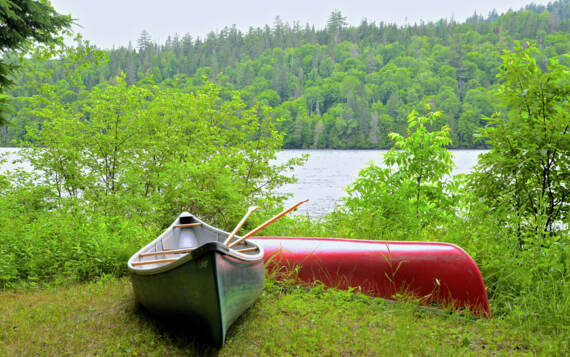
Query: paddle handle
266, 223
236, 229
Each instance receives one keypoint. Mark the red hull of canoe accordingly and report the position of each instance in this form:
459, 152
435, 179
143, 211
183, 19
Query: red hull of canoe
437, 273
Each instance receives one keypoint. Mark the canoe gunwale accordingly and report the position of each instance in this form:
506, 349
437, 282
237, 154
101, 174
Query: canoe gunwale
196, 253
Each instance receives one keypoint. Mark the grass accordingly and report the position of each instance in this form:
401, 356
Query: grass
101, 318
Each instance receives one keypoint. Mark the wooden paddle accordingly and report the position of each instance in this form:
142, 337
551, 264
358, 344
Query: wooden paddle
233, 233
266, 224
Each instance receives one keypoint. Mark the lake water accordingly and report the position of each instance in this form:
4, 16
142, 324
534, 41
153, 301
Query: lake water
10, 154
325, 175
327, 172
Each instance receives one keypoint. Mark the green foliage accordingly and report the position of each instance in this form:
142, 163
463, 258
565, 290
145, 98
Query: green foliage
524, 265
107, 175
529, 288
515, 219
360, 82
23, 21
159, 151
412, 192
42, 240
524, 262
524, 177
115, 158
336, 22
41, 243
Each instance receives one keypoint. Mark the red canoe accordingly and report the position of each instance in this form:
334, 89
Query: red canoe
439, 274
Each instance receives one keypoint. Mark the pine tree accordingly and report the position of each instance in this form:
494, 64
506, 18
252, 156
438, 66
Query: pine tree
144, 41
336, 24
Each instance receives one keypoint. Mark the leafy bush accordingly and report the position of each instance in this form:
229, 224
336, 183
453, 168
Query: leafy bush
410, 196
157, 151
65, 242
108, 176
515, 203
529, 288
525, 174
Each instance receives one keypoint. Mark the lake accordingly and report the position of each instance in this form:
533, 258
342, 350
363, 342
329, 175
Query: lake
12, 154
326, 173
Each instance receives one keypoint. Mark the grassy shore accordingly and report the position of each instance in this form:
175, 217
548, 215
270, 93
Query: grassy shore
101, 318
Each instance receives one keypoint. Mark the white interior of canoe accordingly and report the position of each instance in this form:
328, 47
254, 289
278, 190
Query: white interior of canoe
181, 238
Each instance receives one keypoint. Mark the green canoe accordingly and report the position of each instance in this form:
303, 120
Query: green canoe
187, 272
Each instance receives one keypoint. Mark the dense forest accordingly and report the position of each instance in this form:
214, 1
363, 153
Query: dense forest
337, 87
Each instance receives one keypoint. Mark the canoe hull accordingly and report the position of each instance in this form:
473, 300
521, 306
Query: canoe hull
213, 291
210, 286
438, 274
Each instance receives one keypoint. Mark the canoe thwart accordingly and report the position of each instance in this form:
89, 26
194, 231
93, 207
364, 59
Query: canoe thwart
164, 252
245, 250
186, 225
158, 261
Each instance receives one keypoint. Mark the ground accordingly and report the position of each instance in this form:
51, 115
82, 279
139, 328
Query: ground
102, 318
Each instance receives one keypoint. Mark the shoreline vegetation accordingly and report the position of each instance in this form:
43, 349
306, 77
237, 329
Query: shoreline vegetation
116, 155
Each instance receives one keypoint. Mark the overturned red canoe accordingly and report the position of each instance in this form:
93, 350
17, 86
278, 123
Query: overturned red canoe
439, 274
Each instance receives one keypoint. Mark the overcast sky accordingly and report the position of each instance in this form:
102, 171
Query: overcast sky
116, 22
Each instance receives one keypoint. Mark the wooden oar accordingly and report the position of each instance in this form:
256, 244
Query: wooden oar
236, 229
266, 224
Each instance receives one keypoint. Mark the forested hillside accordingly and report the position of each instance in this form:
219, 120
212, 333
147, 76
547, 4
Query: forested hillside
337, 87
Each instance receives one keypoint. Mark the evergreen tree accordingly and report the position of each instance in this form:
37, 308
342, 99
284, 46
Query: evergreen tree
144, 41
336, 24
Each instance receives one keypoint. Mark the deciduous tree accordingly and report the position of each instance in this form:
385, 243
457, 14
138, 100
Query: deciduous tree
527, 171
23, 21
412, 192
